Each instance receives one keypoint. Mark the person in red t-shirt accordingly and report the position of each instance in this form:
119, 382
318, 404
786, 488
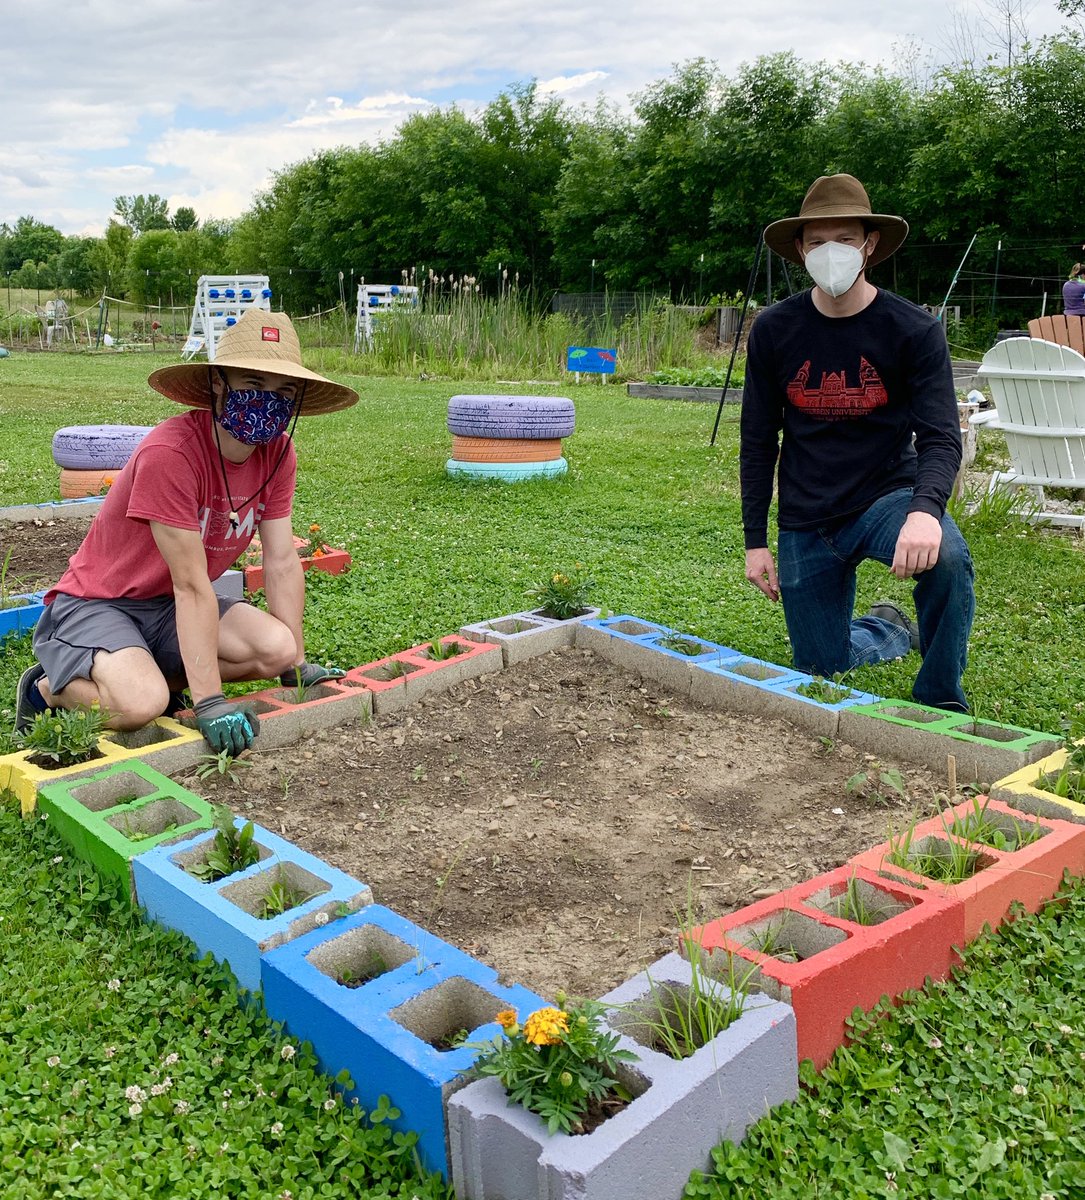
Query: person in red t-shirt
135, 618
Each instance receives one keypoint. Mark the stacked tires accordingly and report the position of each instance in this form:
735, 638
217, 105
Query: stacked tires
509, 437
90, 456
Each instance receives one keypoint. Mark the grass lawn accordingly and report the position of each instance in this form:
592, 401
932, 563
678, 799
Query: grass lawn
928, 1105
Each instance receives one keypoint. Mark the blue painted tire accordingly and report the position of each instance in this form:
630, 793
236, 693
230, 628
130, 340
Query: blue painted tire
96, 447
506, 472
511, 416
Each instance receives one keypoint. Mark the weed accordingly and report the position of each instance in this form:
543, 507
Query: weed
231, 850
823, 691
678, 644
772, 940
855, 904
223, 764
7, 600
281, 897
977, 825
944, 860
439, 650
880, 785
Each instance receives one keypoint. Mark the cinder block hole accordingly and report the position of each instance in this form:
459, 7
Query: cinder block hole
686, 646
316, 692
198, 855
361, 955
140, 739
788, 936
350, 683
270, 893
445, 1015
990, 733
113, 790
940, 859
541, 612
450, 649
756, 671
860, 902
735, 971
998, 829
511, 625
829, 694
675, 1019
917, 716
152, 819
632, 628
391, 671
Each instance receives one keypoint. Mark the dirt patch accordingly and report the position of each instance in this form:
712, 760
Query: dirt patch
557, 820
40, 550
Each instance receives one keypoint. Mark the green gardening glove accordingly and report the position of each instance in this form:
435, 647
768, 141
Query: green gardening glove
226, 726
310, 674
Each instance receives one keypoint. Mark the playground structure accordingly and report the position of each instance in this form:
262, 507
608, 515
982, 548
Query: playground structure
220, 302
371, 299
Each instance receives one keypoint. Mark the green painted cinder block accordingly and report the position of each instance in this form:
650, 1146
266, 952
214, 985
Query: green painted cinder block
112, 816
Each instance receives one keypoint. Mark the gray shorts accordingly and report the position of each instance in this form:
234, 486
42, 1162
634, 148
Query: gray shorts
72, 630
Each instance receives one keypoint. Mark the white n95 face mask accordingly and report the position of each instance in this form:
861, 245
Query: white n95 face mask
834, 267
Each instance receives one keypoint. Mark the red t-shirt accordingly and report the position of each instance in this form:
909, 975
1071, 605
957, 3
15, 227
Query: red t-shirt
174, 477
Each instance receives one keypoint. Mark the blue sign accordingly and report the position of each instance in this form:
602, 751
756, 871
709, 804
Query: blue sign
591, 359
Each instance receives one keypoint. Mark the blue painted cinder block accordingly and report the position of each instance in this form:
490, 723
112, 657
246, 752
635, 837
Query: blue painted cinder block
745, 669
789, 686
22, 618
222, 918
382, 1029
649, 633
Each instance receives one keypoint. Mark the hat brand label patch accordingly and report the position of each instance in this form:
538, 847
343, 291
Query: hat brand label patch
270, 333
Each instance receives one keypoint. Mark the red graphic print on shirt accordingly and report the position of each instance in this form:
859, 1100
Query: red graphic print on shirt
834, 400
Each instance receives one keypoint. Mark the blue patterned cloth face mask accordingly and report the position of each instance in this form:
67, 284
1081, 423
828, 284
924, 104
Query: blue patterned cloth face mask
255, 417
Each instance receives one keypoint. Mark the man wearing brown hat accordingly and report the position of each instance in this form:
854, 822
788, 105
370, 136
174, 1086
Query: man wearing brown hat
135, 618
848, 372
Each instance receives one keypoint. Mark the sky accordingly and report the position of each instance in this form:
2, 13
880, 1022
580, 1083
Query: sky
201, 101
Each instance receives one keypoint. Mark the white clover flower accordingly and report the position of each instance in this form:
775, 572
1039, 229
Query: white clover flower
135, 1109
277, 1128
53, 1060
134, 1092
170, 1060
57, 858
1019, 1089
329, 1105
110, 1051
181, 1107
935, 1043
114, 985
887, 1047
287, 1052
216, 1060
1065, 1029
227, 1092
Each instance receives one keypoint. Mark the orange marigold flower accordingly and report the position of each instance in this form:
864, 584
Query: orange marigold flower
506, 1018
318, 553
545, 1027
314, 528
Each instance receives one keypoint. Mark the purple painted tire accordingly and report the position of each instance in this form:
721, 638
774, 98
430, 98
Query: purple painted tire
511, 416
96, 447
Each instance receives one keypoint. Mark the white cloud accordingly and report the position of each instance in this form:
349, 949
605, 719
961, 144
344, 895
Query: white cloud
563, 84
392, 107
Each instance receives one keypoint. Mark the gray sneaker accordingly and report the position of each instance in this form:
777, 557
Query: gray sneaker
886, 610
25, 711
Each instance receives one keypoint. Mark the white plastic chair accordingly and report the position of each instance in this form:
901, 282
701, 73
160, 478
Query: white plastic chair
1039, 393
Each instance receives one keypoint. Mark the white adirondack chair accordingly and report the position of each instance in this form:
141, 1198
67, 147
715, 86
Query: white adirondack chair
1039, 393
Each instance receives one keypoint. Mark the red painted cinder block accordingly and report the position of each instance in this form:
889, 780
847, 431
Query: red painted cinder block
334, 562
1029, 876
843, 965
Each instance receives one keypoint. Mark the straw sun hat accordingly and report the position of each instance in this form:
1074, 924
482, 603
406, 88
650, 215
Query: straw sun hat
837, 197
260, 341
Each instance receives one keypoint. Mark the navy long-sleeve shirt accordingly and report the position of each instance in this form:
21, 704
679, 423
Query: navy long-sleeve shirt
847, 393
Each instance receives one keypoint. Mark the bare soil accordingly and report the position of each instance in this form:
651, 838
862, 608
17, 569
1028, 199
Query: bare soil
561, 819
40, 550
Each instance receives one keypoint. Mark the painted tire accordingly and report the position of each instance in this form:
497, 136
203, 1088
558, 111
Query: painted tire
505, 450
76, 484
96, 447
506, 472
523, 417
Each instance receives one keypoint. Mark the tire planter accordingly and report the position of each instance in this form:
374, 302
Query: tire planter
534, 417
76, 484
506, 472
96, 447
505, 450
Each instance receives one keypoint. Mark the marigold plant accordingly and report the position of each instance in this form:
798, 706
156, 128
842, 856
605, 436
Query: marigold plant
557, 1063
563, 594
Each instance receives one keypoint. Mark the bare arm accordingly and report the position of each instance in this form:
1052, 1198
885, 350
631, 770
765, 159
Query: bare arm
284, 580
197, 607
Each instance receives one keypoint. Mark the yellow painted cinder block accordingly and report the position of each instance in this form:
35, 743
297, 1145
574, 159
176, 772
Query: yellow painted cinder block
1020, 790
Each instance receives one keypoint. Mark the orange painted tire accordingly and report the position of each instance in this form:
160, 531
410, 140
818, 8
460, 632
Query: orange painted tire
75, 484
505, 450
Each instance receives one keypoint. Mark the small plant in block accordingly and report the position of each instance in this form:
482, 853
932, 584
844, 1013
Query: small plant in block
63, 737
945, 860
232, 849
678, 644
824, 691
564, 594
441, 651
859, 902
1069, 782
993, 828
787, 936
281, 897
562, 1063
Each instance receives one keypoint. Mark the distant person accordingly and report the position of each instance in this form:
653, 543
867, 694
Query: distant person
1073, 292
135, 619
848, 373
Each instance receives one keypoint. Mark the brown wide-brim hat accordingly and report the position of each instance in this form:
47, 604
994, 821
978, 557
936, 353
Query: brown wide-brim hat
260, 341
837, 196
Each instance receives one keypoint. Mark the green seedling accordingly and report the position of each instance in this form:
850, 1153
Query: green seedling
439, 651
223, 764
683, 645
979, 826
772, 941
823, 691
855, 905
63, 737
281, 897
879, 785
951, 863
232, 849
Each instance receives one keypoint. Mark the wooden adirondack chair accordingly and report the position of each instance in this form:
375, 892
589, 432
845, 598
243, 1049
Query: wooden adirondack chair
1039, 393
1061, 329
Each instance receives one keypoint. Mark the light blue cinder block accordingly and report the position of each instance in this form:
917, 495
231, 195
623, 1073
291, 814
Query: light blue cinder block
789, 687
382, 1029
222, 918
23, 616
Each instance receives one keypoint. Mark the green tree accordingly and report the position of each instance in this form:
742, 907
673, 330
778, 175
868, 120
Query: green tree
28, 240
184, 219
110, 259
142, 213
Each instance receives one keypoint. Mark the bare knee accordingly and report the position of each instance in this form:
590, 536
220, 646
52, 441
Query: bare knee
276, 652
135, 706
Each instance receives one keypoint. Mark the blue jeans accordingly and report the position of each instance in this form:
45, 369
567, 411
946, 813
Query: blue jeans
817, 585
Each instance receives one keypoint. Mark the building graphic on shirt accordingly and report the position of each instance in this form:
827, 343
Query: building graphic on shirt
833, 400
